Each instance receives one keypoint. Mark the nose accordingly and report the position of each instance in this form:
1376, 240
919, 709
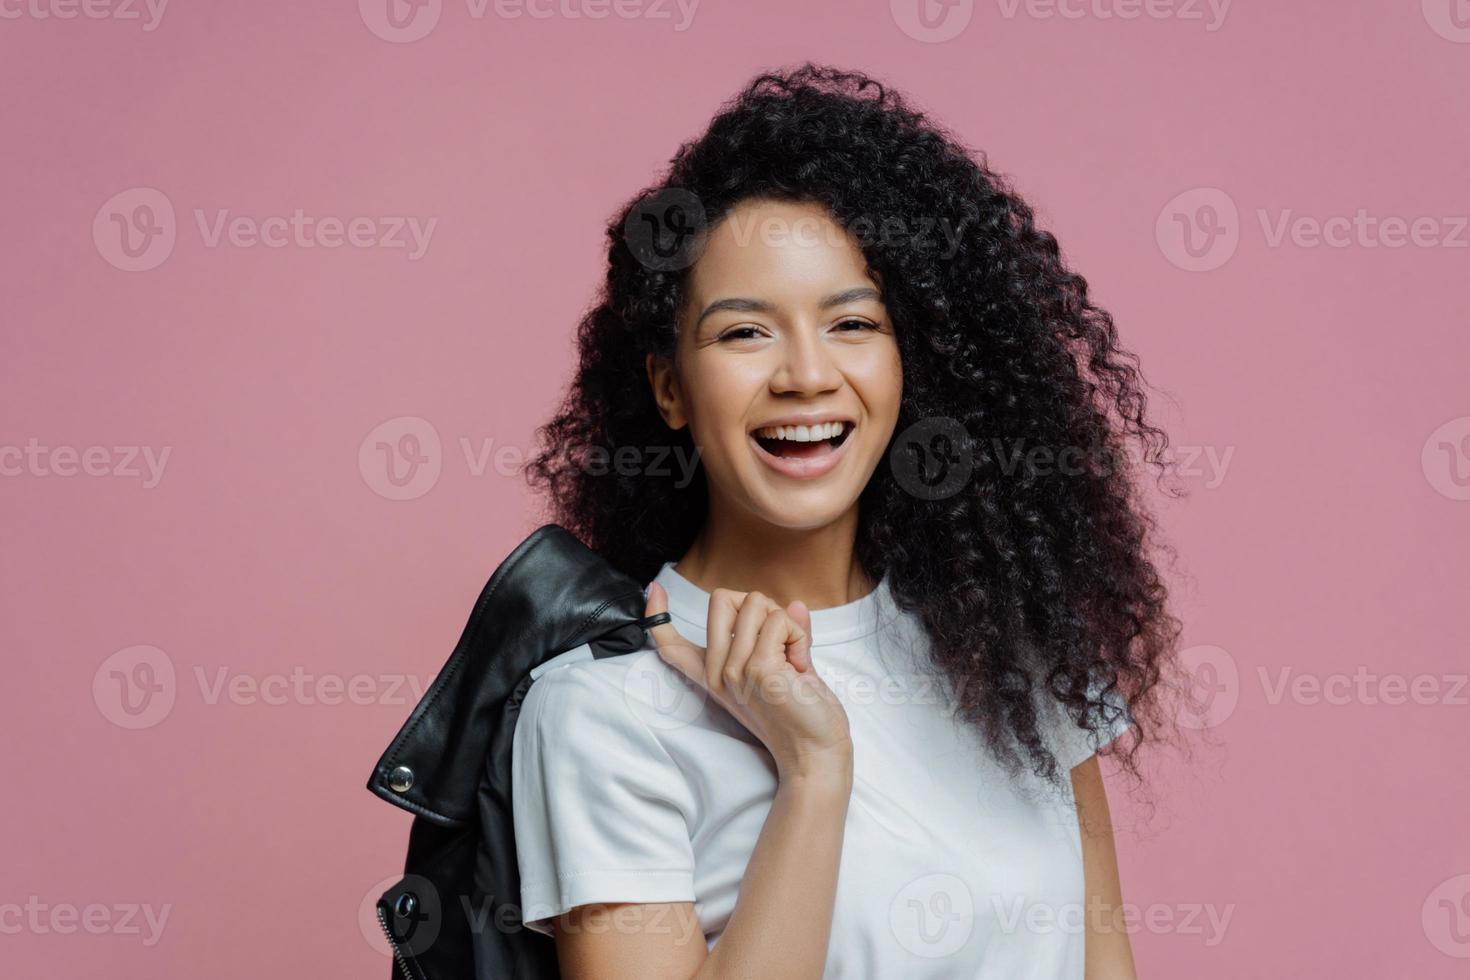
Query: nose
807, 366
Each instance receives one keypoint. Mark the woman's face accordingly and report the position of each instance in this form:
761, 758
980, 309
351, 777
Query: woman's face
782, 326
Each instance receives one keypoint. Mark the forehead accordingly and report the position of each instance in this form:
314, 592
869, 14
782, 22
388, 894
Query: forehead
777, 250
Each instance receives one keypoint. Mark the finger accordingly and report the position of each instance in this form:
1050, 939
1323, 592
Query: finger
673, 649
738, 660
776, 632
724, 606
799, 645
748, 622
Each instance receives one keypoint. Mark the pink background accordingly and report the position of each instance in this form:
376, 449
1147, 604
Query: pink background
1329, 383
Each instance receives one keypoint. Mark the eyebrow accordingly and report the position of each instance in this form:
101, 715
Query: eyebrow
740, 304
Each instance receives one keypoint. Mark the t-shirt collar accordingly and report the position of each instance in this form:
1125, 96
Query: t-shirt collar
836, 624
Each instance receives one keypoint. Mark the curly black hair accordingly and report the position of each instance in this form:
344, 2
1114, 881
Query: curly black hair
1030, 572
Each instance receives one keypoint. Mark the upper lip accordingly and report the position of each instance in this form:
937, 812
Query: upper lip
815, 418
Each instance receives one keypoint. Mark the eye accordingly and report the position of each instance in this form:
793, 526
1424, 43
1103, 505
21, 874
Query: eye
739, 333
858, 324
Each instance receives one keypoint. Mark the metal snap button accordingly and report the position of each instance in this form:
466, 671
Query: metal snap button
405, 905
400, 780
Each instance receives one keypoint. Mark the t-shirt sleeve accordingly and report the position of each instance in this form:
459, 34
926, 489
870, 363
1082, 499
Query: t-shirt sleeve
601, 810
1074, 745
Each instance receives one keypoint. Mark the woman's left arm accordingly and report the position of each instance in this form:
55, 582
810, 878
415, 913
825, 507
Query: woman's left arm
1109, 955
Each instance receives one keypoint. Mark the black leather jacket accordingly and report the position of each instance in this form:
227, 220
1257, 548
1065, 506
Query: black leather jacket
456, 913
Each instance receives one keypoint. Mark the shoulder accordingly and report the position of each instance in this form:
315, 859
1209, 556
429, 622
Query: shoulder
1074, 744
588, 737
634, 692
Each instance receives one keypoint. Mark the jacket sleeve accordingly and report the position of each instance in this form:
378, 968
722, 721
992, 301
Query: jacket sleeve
601, 811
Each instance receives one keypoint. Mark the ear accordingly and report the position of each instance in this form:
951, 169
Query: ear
666, 391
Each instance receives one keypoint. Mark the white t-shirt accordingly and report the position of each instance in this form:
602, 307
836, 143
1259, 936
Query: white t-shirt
632, 785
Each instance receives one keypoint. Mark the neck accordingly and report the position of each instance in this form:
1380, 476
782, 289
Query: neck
815, 565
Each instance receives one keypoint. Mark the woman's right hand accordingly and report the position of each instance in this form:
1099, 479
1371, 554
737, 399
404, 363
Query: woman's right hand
758, 667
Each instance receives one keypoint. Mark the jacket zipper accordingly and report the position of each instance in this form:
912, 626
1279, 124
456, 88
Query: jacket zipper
393, 944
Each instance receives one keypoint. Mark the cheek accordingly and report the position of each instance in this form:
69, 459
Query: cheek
878, 378
717, 391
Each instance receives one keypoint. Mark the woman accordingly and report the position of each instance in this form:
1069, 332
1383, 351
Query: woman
908, 579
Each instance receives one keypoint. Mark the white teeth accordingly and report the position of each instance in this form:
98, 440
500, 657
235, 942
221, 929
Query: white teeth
802, 433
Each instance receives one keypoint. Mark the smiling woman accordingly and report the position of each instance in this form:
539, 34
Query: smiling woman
864, 395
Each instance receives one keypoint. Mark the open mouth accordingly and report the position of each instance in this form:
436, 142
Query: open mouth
792, 442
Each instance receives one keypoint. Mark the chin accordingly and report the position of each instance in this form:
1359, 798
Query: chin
789, 514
